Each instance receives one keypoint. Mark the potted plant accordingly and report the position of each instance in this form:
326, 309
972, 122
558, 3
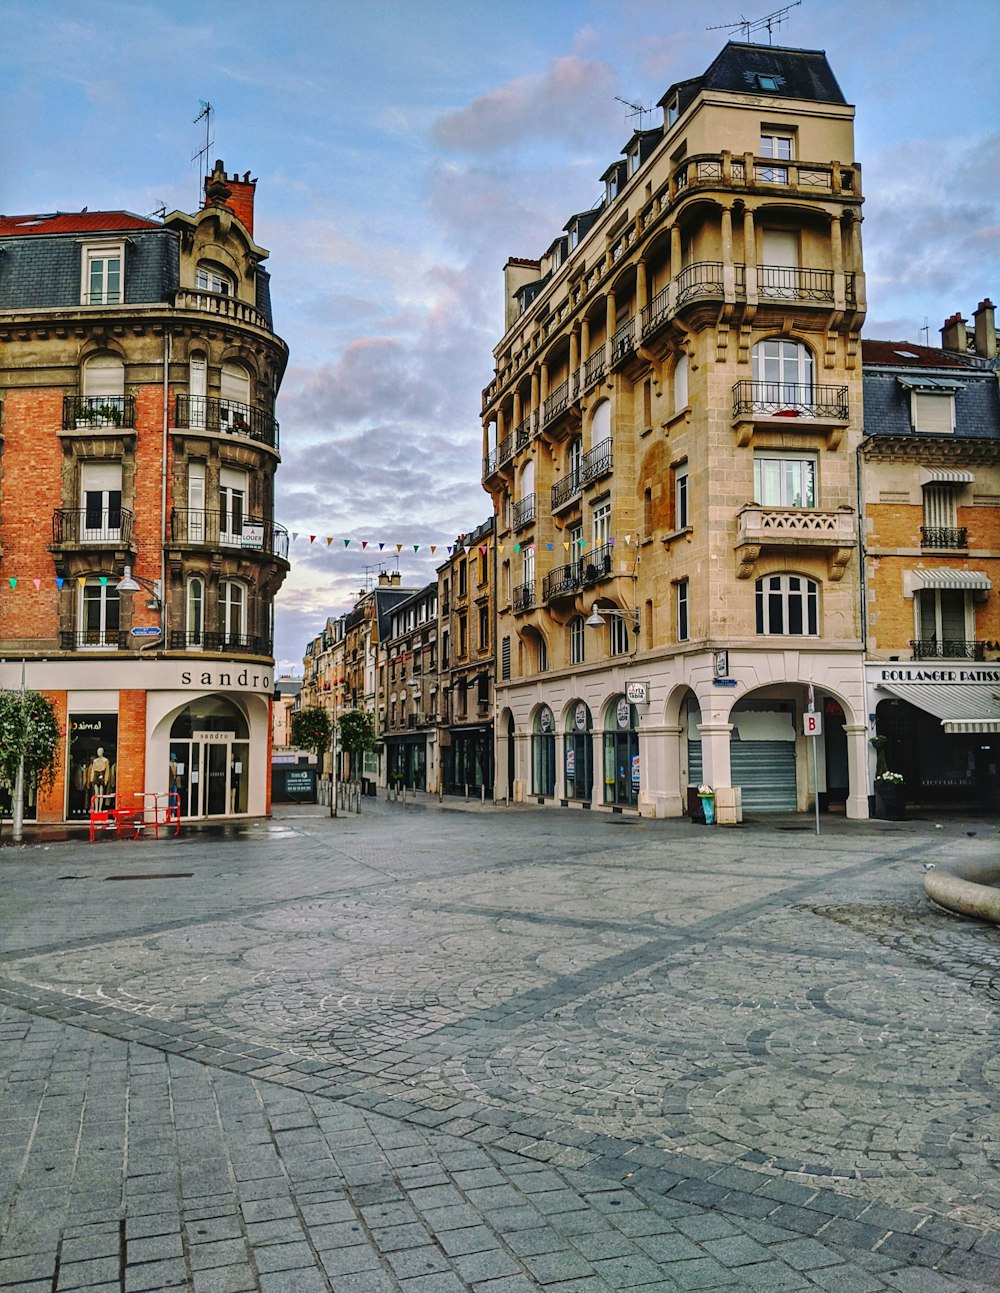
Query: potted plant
890, 796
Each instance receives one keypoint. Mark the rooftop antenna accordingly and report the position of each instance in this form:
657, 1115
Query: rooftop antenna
206, 114
637, 109
768, 23
160, 212
370, 572
925, 331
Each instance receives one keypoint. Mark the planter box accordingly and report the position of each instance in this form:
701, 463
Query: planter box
890, 802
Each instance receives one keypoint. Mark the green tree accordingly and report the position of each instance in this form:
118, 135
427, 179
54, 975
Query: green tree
311, 730
29, 746
357, 734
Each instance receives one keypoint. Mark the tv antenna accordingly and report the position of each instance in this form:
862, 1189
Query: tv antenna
206, 115
925, 331
751, 25
160, 212
637, 110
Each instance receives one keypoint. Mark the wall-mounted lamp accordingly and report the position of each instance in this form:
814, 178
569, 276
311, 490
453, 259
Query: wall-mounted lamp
598, 615
130, 583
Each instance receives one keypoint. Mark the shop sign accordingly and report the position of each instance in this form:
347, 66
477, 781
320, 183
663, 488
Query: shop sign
570, 763
623, 713
812, 723
300, 781
545, 720
637, 693
939, 675
580, 717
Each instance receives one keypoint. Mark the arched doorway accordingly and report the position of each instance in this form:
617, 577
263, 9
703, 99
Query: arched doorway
511, 759
210, 758
543, 753
621, 753
579, 752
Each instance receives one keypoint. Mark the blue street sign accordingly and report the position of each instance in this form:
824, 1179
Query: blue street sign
145, 631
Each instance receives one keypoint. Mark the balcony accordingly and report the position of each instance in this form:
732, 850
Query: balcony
776, 404
505, 450
723, 170
802, 528
523, 597
522, 512
206, 413
596, 462
98, 411
947, 649
203, 529
89, 528
562, 581
565, 490
556, 402
93, 640
595, 367
522, 435
596, 564
223, 306
703, 278
623, 343
236, 643
943, 536
791, 283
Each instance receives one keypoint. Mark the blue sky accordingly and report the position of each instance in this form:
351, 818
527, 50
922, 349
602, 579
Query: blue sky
405, 150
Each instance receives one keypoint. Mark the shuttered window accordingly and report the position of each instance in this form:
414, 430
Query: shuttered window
933, 412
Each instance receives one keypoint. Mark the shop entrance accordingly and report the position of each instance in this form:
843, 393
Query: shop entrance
210, 759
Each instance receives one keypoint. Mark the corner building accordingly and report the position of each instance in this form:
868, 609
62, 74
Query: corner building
669, 441
140, 556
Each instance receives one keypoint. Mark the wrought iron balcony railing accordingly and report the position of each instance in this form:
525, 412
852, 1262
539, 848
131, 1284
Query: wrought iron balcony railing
505, 449
567, 488
595, 367
623, 342
93, 640
789, 400
207, 413
562, 581
214, 529
947, 649
596, 564
243, 643
81, 411
522, 512
943, 536
86, 527
703, 278
792, 283
597, 461
556, 402
523, 597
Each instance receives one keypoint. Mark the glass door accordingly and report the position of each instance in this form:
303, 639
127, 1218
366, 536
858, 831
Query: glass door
217, 780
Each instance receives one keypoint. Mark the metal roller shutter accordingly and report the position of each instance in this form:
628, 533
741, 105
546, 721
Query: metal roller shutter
766, 771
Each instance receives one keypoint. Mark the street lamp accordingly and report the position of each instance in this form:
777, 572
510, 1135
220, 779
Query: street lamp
130, 583
599, 614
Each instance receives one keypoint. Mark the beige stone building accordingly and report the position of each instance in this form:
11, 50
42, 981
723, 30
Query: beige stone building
670, 443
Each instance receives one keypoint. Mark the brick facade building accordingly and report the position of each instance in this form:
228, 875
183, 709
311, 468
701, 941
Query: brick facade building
138, 548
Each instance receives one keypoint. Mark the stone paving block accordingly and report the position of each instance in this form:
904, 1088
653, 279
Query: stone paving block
772, 1277
218, 1252
846, 1279
96, 1270
367, 1282
348, 1261
699, 1273
546, 1268
736, 1250
283, 1257
152, 1277
438, 1283
238, 1278
154, 1246
305, 1280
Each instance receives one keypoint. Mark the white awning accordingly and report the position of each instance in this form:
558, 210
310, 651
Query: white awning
961, 707
945, 577
945, 476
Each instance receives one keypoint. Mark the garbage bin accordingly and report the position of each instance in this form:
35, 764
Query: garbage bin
694, 806
707, 796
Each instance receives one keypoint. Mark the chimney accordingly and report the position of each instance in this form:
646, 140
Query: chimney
953, 335
389, 580
986, 330
233, 192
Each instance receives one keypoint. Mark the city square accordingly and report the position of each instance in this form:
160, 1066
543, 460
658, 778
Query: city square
433, 1047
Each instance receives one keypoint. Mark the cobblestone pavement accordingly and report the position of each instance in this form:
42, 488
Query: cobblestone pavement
426, 1049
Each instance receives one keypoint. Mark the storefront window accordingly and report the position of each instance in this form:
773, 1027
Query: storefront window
93, 761
621, 754
543, 753
578, 744
210, 759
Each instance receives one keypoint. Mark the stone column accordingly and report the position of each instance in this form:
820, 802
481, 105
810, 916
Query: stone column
857, 769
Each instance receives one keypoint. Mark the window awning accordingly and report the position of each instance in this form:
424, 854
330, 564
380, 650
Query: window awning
941, 384
945, 476
961, 707
946, 577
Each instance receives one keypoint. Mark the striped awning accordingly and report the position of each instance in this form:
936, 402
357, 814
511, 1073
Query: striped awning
945, 476
961, 707
947, 577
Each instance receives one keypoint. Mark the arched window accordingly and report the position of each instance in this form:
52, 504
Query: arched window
103, 383
787, 605
196, 611
234, 406
579, 752
197, 388
213, 278
232, 613
600, 426
543, 753
621, 753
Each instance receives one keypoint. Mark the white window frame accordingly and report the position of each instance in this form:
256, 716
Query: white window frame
108, 627
233, 496
788, 466
195, 612
102, 253
618, 643
101, 482
228, 604
781, 147
932, 412
682, 497
577, 640
683, 600
790, 588
601, 523
207, 278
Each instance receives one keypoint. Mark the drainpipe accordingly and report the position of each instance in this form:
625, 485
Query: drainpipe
163, 491
861, 552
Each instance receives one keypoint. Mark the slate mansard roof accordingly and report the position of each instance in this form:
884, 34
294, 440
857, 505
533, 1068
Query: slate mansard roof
800, 73
891, 368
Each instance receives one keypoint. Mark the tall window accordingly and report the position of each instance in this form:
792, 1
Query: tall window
542, 656
99, 613
543, 753
196, 611
777, 274
681, 382
784, 480
232, 504
574, 460
574, 535
101, 501
681, 519
197, 388
196, 502
618, 635
528, 565
234, 404
944, 618
577, 629
232, 612
579, 752
602, 523
782, 376
683, 622
462, 578
484, 628
103, 402
102, 274
787, 604
781, 148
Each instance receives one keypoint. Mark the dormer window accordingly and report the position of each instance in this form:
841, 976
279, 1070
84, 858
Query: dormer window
574, 237
103, 278
673, 109
210, 278
932, 404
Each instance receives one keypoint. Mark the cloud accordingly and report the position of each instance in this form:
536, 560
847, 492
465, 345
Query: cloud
562, 103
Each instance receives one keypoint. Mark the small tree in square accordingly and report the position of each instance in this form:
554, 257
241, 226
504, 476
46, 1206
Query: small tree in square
357, 734
311, 730
29, 747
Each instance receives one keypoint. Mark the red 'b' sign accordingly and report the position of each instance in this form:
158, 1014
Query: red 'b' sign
812, 723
